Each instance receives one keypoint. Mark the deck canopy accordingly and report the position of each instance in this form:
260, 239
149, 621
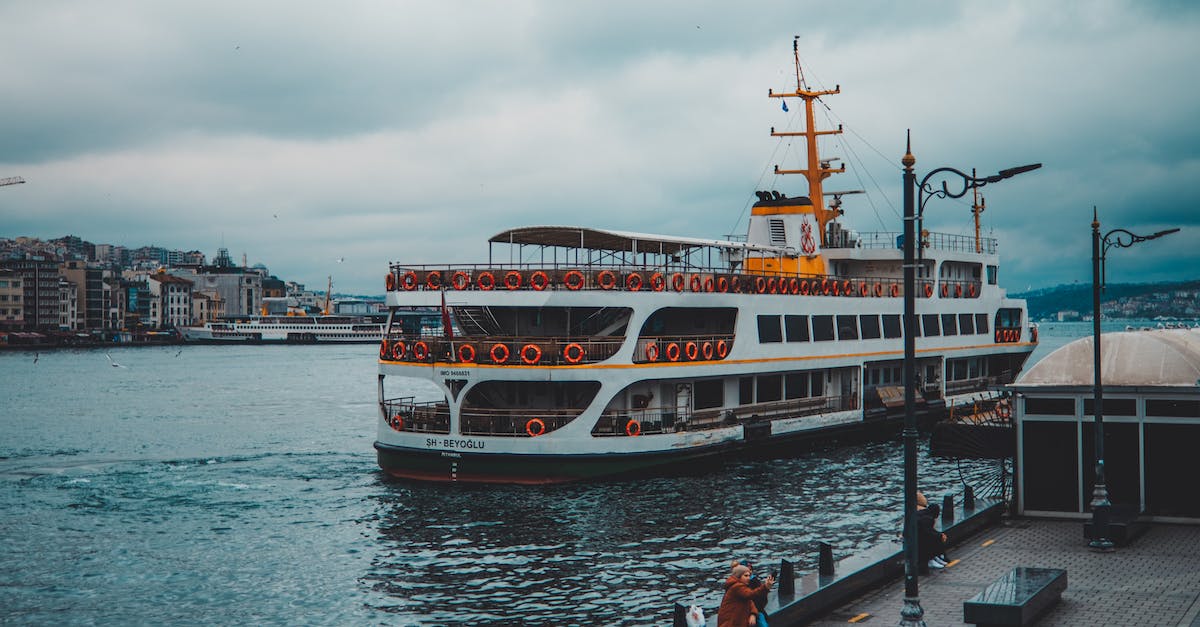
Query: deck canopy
617, 241
1160, 357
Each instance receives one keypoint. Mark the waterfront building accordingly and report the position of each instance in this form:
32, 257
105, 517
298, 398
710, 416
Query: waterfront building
171, 301
11, 309
93, 293
39, 276
68, 305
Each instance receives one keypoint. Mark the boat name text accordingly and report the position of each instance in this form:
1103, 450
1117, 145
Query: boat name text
454, 373
450, 443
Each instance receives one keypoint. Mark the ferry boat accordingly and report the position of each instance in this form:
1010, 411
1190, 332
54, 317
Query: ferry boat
620, 353
288, 329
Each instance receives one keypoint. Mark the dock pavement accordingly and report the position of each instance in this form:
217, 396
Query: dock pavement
1154, 581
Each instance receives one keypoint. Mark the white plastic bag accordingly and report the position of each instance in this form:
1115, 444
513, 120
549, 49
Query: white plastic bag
694, 617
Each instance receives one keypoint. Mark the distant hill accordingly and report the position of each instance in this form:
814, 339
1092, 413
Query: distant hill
1047, 302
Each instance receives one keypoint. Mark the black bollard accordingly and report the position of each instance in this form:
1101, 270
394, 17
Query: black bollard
787, 579
825, 560
947, 509
968, 499
680, 615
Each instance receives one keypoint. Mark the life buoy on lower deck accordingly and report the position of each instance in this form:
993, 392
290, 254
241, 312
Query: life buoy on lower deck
574, 280
398, 350
972, 291
692, 351
928, 290
633, 282
409, 281
486, 281
461, 280
535, 427
722, 349
863, 290
697, 283
573, 353
396, 422
538, 280
707, 350
958, 290
657, 282
723, 284
673, 351
466, 353
499, 353
677, 282
651, 352
512, 279
433, 279
606, 279
531, 354
633, 428
420, 350
1033, 334
390, 282
878, 290
945, 289
894, 291
384, 350
1003, 410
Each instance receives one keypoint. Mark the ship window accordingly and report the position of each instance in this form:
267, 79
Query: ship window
745, 390
991, 271
916, 321
949, 324
891, 325
778, 233
770, 388
870, 326
709, 394
796, 328
929, 322
817, 383
1113, 407
822, 328
981, 325
1049, 406
796, 385
847, 327
768, 329
1169, 407
966, 324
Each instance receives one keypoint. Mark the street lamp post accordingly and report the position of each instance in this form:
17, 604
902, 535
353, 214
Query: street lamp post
1101, 506
914, 210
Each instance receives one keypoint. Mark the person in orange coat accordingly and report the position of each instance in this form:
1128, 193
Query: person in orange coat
737, 607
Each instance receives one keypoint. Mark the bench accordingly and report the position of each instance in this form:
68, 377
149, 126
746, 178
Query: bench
1017, 598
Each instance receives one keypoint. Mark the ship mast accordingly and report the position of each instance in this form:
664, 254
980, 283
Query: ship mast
977, 208
817, 170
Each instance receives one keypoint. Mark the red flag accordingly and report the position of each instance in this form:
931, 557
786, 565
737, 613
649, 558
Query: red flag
447, 328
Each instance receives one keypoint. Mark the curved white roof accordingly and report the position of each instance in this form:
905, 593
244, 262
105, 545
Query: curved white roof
1166, 357
603, 239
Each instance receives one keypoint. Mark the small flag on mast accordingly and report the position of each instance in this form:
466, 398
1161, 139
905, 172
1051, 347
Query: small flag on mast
785, 106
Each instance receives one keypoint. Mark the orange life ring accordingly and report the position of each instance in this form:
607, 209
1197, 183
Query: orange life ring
538, 280
573, 353
1033, 334
410, 281
773, 285
863, 290
420, 350
878, 289
677, 282
396, 422
466, 354
433, 279
633, 428
723, 284
1003, 411
805, 289
390, 282
657, 282
486, 281
692, 351
894, 291
651, 352
697, 283
972, 290
574, 280
958, 290
825, 286
461, 280
847, 288
998, 335
673, 352
760, 285
606, 279
793, 286
836, 288
633, 282
722, 349
529, 357
384, 350
710, 285
707, 350
945, 289
928, 290
499, 353
512, 279
535, 427
735, 284
398, 350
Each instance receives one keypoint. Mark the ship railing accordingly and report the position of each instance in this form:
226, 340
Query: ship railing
668, 418
624, 278
526, 350
406, 414
893, 239
682, 348
524, 422
974, 384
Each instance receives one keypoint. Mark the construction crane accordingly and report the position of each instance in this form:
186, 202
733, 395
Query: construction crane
12, 180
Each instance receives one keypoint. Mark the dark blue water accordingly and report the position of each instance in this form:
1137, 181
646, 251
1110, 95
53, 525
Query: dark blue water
238, 485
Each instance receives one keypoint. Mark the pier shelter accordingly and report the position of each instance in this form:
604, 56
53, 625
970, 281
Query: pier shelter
1151, 413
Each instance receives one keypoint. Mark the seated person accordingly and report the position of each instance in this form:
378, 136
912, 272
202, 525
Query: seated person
931, 545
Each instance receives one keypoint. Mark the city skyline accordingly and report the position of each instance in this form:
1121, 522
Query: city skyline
303, 136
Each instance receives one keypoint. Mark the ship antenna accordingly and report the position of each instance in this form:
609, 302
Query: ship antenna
796, 56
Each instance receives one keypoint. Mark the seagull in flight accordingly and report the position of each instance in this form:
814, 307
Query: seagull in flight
35, 357
341, 259
111, 362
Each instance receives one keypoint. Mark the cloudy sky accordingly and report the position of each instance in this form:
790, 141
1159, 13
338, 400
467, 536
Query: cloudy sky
299, 134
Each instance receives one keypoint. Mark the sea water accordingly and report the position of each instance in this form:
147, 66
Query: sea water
238, 485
